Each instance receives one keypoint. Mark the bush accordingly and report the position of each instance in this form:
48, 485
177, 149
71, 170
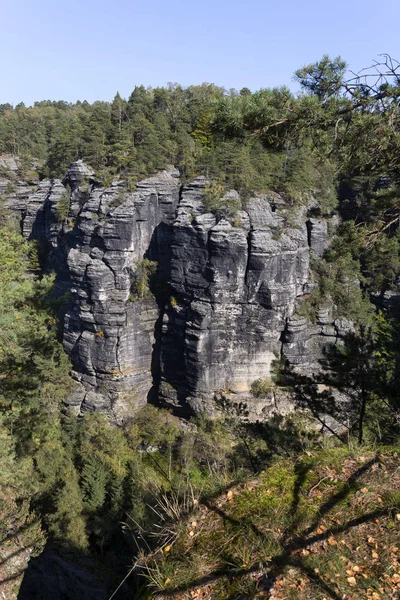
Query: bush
62, 206
144, 270
217, 200
261, 388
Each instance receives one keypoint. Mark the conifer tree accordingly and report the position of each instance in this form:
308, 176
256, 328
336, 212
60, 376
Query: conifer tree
67, 522
62, 206
94, 482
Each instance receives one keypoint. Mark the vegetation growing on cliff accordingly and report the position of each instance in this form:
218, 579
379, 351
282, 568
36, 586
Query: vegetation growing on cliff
188, 127
77, 479
145, 268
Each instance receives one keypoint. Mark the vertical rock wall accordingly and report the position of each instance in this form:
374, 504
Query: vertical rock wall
224, 295
234, 283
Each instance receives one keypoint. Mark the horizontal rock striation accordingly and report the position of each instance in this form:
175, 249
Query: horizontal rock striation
95, 251
16, 184
223, 301
234, 285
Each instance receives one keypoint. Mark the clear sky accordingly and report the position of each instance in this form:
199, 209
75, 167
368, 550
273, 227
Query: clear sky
90, 49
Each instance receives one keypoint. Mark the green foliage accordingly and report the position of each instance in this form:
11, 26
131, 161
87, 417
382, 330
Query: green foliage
62, 206
145, 268
216, 200
94, 481
261, 388
324, 78
67, 523
213, 196
200, 129
340, 280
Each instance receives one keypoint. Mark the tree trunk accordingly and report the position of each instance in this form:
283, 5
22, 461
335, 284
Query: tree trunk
361, 417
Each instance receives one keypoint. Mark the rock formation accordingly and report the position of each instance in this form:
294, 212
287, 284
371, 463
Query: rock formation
223, 301
16, 185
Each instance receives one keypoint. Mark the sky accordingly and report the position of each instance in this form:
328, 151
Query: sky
90, 49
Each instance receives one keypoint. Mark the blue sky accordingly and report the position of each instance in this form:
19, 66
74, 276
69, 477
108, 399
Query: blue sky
89, 49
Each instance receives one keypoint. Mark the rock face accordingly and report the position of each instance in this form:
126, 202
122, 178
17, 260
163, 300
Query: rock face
16, 185
234, 286
223, 301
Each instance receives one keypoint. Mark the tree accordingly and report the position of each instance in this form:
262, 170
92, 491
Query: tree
364, 368
66, 522
119, 110
145, 268
94, 482
62, 206
324, 78
350, 369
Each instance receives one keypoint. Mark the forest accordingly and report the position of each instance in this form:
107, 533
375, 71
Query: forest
118, 497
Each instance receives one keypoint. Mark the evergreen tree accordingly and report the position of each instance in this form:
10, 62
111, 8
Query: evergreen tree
67, 523
94, 482
62, 207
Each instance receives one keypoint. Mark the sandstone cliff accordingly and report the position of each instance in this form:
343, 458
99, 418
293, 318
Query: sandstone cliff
223, 301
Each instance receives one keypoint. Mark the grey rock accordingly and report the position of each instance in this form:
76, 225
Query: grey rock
224, 297
318, 235
16, 186
77, 173
108, 334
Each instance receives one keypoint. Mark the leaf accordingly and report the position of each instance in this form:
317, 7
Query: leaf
352, 581
332, 541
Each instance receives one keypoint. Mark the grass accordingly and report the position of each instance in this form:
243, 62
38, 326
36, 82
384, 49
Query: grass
325, 525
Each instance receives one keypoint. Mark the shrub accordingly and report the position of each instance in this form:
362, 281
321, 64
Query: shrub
216, 200
261, 388
144, 270
62, 206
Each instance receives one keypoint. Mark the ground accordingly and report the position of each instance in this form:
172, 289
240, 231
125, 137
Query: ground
325, 525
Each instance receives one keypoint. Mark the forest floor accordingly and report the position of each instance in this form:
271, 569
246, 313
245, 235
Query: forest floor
323, 526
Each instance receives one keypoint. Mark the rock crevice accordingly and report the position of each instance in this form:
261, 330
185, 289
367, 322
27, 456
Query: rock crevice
223, 302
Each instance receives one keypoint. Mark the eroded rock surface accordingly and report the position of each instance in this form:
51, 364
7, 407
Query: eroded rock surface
234, 284
223, 302
16, 184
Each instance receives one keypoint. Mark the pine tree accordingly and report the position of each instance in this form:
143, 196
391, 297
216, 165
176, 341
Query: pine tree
66, 522
116, 493
93, 483
62, 206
